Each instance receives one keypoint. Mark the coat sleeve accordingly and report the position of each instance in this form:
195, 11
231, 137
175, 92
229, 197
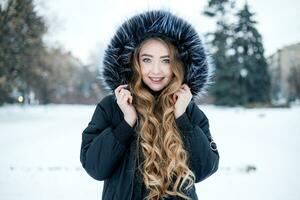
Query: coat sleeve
203, 155
103, 146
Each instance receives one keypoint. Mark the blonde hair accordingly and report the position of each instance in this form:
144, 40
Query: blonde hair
165, 159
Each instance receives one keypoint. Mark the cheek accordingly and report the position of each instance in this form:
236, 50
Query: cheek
169, 73
170, 76
144, 70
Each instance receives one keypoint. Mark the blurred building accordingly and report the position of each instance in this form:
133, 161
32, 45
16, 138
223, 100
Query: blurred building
280, 65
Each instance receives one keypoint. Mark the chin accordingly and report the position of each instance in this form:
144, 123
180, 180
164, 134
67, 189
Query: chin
154, 88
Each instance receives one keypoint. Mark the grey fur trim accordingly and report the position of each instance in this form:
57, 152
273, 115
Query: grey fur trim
116, 69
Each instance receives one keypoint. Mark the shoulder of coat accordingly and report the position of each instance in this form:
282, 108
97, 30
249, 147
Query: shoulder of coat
191, 105
194, 111
106, 106
107, 102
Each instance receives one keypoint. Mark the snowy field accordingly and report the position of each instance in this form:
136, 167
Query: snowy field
40, 146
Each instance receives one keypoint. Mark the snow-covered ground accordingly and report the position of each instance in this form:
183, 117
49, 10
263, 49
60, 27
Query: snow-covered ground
40, 146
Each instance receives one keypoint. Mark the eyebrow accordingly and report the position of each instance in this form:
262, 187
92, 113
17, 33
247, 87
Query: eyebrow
167, 56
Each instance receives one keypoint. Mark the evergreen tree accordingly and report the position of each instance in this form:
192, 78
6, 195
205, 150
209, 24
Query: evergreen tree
225, 89
21, 31
5, 88
253, 78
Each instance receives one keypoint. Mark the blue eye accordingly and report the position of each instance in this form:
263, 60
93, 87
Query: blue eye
166, 61
146, 60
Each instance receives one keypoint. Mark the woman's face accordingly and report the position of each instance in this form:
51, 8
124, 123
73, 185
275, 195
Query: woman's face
154, 60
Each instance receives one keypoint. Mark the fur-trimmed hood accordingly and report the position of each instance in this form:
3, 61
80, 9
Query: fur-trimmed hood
116, 68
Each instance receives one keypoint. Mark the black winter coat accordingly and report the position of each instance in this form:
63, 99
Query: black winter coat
108, 149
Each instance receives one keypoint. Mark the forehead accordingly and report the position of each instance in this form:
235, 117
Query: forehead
154, 47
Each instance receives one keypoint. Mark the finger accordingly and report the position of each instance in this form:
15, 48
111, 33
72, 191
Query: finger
130, 99
174, 97
121, 94
185, 87
186, 90
124, 98
125, 91
120, 87
182, 90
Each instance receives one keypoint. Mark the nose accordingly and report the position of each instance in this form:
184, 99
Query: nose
156, 68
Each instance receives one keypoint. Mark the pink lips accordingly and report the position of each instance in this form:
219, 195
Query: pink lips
154, 81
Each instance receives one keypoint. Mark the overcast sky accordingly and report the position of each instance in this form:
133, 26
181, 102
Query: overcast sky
85, 27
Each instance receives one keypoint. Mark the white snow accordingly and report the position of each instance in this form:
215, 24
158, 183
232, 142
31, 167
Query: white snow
40, 147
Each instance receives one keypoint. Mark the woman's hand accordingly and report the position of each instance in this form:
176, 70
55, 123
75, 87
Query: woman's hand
124, 100
181, 99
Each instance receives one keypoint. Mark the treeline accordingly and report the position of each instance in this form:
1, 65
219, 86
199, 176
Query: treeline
32, 73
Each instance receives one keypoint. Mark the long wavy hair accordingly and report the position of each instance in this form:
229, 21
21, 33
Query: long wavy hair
164, 168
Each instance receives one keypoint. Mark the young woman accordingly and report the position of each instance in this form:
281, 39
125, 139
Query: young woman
148, 139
